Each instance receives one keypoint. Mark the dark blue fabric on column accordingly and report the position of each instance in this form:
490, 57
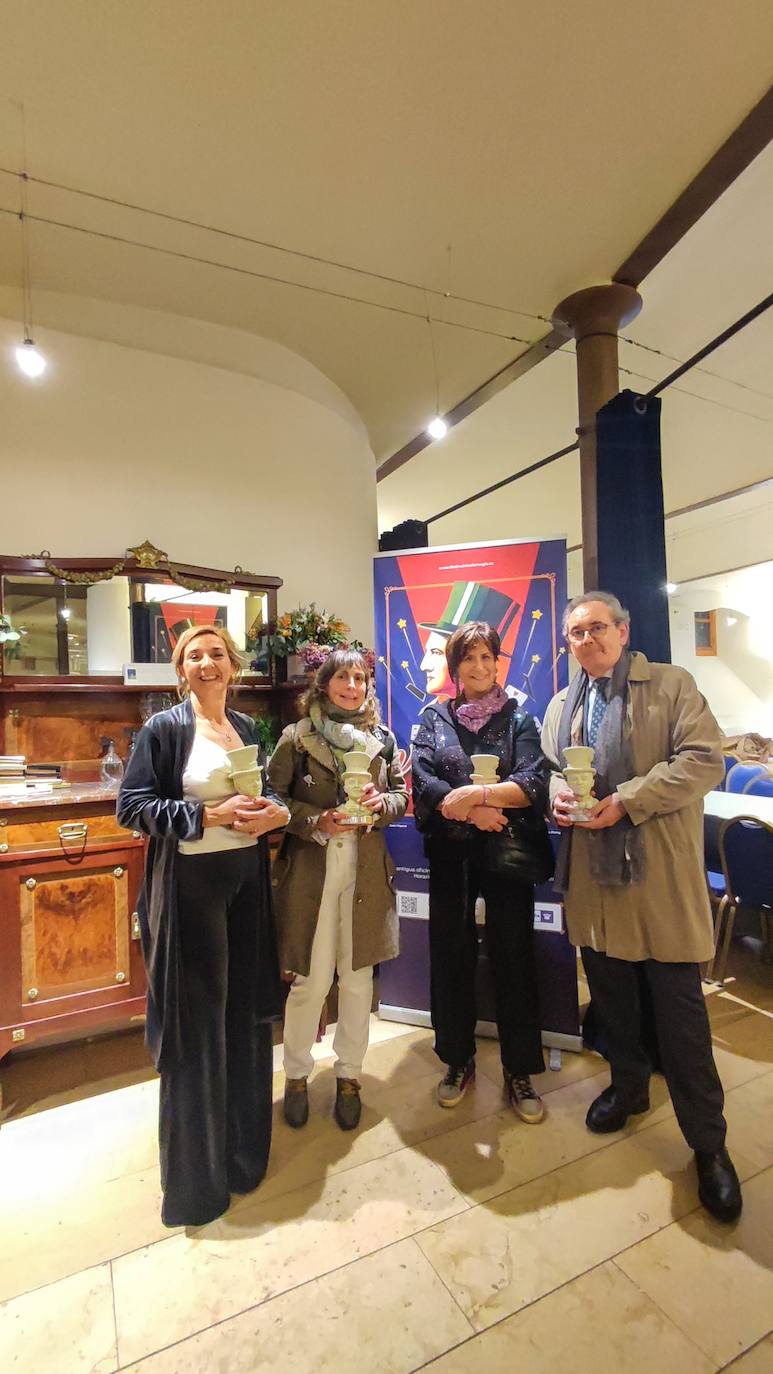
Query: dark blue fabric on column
631, 530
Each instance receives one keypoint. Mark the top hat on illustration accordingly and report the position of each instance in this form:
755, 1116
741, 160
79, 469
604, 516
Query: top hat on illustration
473, 601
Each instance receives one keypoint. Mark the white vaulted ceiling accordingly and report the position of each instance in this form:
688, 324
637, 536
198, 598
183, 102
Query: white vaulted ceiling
498, 150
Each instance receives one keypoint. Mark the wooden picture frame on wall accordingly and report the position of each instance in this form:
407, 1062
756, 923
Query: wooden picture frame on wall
706, 634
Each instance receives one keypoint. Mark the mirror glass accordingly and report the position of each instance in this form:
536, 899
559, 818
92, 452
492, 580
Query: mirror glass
67, 629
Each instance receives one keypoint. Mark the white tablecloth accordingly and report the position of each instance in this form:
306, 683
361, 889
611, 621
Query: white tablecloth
727, 804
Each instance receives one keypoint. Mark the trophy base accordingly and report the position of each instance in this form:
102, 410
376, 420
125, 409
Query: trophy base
356, 816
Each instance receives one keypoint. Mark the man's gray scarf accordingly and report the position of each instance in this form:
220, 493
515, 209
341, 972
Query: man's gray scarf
616, 854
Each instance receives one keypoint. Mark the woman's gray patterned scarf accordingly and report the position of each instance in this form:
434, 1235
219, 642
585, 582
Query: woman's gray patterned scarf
616, 855
339, 728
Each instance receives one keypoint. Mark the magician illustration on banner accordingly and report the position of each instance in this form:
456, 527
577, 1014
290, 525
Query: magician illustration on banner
421, 597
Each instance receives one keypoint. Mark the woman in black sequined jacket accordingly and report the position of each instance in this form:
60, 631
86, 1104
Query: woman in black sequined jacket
488, 842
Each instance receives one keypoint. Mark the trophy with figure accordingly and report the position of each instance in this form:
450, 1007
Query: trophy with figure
356, 778
579, 774
245, 771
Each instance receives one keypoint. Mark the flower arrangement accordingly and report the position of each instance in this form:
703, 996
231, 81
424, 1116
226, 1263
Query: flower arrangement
306, 625
314, 655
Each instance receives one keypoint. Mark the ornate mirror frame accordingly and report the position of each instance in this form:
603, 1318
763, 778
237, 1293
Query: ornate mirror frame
143, 563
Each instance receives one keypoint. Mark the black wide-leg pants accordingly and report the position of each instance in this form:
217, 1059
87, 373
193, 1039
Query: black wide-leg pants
456, 879
215, 1106
683, 1037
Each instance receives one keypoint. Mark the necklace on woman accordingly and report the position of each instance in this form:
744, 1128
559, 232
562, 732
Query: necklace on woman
224, 734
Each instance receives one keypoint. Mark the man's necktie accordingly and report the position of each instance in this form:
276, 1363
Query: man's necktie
597, 711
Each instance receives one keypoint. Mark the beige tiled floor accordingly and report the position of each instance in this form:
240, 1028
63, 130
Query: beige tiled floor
463, 1241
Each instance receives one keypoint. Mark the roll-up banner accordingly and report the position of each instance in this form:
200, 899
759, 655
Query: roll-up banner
421, 596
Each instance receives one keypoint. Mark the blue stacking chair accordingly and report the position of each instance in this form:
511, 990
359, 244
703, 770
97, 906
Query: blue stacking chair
741, 776
760, 787
746, 855
730, 763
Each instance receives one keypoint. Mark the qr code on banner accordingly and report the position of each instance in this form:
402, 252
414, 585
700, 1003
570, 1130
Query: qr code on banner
548, 916
413, 904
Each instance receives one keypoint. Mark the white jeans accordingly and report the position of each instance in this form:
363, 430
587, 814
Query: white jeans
332, 949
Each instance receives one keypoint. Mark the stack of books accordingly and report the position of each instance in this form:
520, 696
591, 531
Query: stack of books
13, 767
16, 773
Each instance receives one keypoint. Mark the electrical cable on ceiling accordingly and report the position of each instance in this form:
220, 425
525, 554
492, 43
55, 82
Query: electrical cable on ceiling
668, 381
264, 276
684, 391
705, 371
273, 247
714, 344
347, 267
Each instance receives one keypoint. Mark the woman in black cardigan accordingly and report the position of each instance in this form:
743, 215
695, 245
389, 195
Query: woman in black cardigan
207, 936
488, 841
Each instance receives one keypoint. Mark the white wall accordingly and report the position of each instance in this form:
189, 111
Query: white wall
266, 466
738, 682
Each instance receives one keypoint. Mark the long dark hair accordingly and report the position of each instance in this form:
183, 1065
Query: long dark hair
336, 659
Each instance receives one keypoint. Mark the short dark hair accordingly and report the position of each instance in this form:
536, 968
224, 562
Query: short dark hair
462, 640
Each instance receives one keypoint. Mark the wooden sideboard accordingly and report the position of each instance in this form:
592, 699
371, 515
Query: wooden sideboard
70, 876
70, 959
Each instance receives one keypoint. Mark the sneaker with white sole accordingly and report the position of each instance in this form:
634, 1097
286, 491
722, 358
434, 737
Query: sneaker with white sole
451, 1089
524, 1098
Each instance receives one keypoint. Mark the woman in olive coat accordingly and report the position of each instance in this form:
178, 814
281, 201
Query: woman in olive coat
333, 896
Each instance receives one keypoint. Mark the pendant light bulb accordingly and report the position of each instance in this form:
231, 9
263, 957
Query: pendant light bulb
437, 428
30, 360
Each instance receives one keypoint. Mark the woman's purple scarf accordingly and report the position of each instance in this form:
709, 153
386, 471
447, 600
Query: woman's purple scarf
475, 714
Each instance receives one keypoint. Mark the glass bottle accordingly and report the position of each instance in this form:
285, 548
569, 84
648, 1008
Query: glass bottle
112, 767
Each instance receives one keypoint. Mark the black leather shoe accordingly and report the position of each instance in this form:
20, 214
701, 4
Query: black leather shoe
296, 1103
718, 1186
612, 1108
348, 1105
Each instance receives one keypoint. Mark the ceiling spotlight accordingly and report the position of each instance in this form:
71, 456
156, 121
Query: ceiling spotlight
30, 360
672, 587
437, 428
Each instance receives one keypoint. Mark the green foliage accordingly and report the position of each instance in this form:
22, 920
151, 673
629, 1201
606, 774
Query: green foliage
267, 734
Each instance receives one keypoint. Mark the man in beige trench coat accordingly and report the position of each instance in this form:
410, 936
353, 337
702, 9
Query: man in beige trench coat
633, 876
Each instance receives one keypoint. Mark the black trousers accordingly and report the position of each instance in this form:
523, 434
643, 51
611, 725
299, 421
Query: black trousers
683, 1033
215, 1107
456, 879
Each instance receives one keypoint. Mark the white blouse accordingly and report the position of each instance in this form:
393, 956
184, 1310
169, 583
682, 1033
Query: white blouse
206, 780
